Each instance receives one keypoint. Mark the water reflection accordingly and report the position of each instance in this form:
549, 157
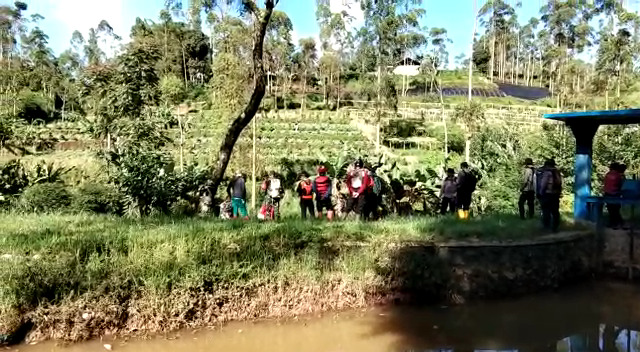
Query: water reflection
611, 339
599, 318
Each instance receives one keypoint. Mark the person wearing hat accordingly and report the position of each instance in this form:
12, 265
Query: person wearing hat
305, 192
448, 193
550, 190
527, 189
322, 188
237, 191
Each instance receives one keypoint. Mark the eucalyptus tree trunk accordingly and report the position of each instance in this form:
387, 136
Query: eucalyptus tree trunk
518, 59
473, 36
493, 44
540, 75
184, 65
261, 17
444, 123
304, 91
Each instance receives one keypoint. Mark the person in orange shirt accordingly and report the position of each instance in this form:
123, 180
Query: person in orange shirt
305, 191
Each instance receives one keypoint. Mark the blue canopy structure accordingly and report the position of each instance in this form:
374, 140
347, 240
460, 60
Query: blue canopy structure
584, 126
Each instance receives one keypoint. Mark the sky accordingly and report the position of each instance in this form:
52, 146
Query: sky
62, 17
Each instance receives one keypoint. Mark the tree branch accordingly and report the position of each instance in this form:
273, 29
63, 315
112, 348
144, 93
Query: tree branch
240, 122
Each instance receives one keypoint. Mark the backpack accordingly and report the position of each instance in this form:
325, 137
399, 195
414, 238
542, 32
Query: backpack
377, 184
274, 188
553, 186
473, 181
470, 181
539, 173
306, 190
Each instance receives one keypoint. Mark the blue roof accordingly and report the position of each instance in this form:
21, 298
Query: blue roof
601, 117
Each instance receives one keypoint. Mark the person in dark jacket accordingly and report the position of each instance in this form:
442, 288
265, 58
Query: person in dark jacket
466, 186
237, 191
305, 192
550, 189
527, 189
448, 193
322, 188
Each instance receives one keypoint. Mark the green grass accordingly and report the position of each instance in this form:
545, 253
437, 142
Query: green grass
62, 262
87, 252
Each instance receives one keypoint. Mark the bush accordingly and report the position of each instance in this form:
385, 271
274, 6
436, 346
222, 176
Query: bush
98, 198
45, 197
33, 106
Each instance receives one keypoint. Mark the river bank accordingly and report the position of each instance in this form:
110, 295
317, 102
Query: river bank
599, 314
75, 277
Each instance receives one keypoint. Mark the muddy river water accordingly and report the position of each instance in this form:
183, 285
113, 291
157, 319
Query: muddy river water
598, 317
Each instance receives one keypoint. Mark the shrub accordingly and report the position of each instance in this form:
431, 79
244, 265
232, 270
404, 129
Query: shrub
13, 179
33, 106
45, 197
98, 198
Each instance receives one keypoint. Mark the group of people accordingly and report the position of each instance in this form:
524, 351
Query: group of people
545, 184
363, 192
456, 191
236, 206
321, 188
364, 198
315, 195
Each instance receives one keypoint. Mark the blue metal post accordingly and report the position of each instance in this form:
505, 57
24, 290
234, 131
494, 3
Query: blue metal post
584, 134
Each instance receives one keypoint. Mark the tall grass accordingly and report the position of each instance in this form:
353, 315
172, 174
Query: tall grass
47, 259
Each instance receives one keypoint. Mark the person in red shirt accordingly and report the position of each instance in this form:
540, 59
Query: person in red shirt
359, 184
613, 188
322, 187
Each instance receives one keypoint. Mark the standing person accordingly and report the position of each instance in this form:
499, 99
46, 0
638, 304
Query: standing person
448, 193
305, 192
527, 189
359, 182
237, 191
613, 188
322, 188
550, 189
465, 187
274, 192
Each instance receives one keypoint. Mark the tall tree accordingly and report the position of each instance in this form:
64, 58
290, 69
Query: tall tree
278, 52
497, 16
260, 19
334, 37
567, 24
307, 64
386, 21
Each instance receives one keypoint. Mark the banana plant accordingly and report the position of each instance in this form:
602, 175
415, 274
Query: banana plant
48, 173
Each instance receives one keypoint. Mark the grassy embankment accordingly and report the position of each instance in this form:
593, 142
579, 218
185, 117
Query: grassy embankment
78, 276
